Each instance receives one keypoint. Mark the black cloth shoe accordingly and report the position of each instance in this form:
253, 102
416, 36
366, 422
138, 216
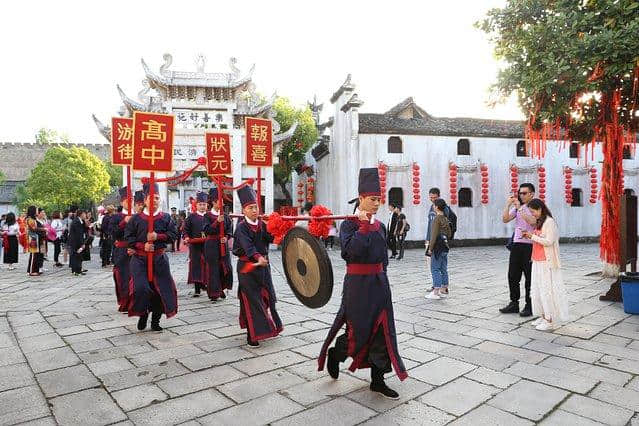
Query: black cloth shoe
155, 322
251, 342
142, 321
527, 311
196, 294
380, 387
332, 365
511, 308
393, 256
223, 295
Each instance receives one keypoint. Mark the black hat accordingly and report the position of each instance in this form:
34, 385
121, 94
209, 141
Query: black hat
138, 197
201, 197
247, 196
213, 194
369, 182
146, 188
123, 193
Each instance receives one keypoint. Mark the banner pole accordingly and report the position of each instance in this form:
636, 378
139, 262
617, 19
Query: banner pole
149, 255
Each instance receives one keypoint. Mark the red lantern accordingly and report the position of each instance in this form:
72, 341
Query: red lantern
484, 180
416, 180
542, 169
417, 191
483, 168
484, 185
300, 192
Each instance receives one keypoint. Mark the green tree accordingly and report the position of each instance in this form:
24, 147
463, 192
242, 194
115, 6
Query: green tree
2, 177
50, 136
575, 68
65, 176
115, 174
292, 152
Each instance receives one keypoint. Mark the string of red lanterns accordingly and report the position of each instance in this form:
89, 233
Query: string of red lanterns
310, 190
568, 184
300, 193
483, 170
453, 183
593, 185
416, 185
381, 169
541, 174
514, 179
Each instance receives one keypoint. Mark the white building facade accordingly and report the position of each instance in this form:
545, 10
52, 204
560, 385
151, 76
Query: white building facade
407, 135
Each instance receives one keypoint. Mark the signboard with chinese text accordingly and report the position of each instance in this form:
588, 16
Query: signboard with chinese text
259, 142
202, 119
152, 142
121, 141
218, 154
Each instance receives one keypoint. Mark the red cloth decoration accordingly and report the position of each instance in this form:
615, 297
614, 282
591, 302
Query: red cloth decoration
278, 227
319, 228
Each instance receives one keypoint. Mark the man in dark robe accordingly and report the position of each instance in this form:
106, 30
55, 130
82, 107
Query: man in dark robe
77, 242
392, 228
218, 270
194, 232
121, 257
367, 307
255, 290
159, 294
138, 201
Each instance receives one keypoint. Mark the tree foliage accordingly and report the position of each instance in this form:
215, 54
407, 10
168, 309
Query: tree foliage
292, 152
2, 177
51, 136
115, 174
65, 176
557, 51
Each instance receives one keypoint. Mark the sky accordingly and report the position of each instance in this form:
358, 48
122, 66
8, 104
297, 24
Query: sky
60, 61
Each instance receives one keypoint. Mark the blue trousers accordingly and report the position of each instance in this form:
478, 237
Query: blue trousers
439, 269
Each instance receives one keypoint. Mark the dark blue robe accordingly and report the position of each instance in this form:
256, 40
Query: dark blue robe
218, 271
141, 291
255, 289
194, 228
367, 306
121, 271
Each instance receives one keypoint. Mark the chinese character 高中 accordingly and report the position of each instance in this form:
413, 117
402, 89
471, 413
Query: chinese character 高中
258, 153
259, 133
152, 154
125, 132
126, 151
154, 131
218, 144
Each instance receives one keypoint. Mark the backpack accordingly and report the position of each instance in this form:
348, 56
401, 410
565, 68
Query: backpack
452, 220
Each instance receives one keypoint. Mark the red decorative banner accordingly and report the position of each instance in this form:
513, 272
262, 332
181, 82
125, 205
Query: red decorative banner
259, 142
121, 141
218, 154
153, 141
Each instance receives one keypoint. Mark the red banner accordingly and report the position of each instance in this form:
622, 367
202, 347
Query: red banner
153, 142
259, 142
218, 154
121, 141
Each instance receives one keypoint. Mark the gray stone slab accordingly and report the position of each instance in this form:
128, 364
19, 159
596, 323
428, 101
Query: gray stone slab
339, 411
31, 330
622, 352
452, 338
580, 330
408, 389
596, 410
212, 359
587, 370
563, 418
52, 359
552, 377
88, 407
564, 351
139, 396
323, 389
41, 343
179, 410
622, 397
66, 380
15, 376
200, 380
441, 370
520, 354
492, 377
9, 356
252, 387
529, 399
260, 411
101, 368
22, 405
270, 362
417, 355
427, 344
499, 337
155, 357
477, 357
137, 376
459, 396
411, 413
487, 415
102, 334
111, 352
91, 345
623, 364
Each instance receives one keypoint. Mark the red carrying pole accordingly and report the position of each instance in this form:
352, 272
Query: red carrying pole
220, 208
149, 255
259, 190
128, 190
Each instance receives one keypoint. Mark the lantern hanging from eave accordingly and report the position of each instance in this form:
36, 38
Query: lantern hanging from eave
568, 184
452, 173
541, 174
416, 184
593, 186
483, 170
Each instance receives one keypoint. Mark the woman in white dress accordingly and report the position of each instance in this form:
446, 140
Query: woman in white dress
548, 294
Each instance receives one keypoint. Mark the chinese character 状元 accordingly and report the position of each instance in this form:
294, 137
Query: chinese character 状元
154, 131
218, 144
219, 163
125, 132
152, 154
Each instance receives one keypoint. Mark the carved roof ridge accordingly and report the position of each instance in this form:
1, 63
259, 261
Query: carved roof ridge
131, 104
104, 130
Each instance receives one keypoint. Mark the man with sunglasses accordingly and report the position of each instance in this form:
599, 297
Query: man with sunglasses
521, 250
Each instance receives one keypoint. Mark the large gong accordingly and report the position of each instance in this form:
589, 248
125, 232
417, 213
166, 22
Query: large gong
307, 267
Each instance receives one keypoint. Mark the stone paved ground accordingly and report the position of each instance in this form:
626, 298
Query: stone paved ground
67, 357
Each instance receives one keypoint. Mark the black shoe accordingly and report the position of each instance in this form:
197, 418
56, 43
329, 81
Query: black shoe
223, 295
155, 322
380, 387
511, 308
142, 321
156, 327
196, 294
393, 256
84, 270
332, 365
527, 311
400, 258
251, 342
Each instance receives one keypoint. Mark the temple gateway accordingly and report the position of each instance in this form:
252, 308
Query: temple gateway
203, 101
